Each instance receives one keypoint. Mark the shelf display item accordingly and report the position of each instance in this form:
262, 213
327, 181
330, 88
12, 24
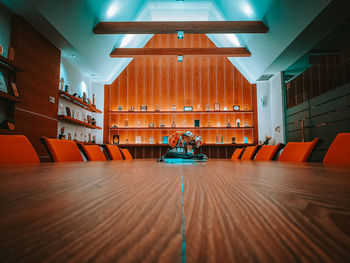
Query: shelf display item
120, 108
183, 144
143, 108
61, 135
173, 107
139, 123
216, 106
233, 140
238, 123
15, 90
132, 108
162, 125
84, 97
246, 140
207, 107
225, 108
188, 108
126, 123
151, 141
228, 124
165, 139
66, 88
246, 124
173, 125
68, 113
236, 107
197, 123
219, 139
151, 125
137, 139
115, 139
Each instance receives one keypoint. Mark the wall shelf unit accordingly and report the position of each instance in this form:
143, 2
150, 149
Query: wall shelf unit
9, 94
179, 112
181, 128
9, 97
79, 102
77, 122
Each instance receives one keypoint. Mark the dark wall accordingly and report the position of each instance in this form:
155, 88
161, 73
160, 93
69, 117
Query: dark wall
40, 61
320, 97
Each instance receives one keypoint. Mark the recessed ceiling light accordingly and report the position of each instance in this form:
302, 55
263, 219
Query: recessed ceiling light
112, 10
74, 56
247, 9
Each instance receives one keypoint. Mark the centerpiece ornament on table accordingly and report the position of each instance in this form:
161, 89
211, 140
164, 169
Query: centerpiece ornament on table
183, 144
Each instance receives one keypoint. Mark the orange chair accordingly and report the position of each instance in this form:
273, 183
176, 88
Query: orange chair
16, 149
126, 154
339, 151
267, 152
114, 152
92, 152
237, 154
297, 151
62, 150
249, 153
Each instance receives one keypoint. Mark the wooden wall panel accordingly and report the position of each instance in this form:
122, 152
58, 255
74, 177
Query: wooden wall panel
160, 82
40, 61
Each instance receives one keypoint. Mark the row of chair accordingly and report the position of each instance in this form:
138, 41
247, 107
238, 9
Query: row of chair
338, 153
16, 149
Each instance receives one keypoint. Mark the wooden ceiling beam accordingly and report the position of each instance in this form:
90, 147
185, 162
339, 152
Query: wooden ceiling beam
189, 27
135, 52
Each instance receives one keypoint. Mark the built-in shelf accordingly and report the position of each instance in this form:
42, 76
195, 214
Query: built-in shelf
178, 112
77, 122
79, 102
181, 128
9, 97
8, 132
167, 145
8, 64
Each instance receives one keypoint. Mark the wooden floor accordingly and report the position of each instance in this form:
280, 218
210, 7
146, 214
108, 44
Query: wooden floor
133, 211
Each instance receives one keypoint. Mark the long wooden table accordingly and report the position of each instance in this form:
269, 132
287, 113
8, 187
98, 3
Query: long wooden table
141, 210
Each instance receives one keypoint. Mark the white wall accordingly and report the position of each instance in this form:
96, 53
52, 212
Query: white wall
78, 82
271, 116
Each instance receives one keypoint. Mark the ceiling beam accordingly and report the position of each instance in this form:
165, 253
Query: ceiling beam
225, 52
189, 27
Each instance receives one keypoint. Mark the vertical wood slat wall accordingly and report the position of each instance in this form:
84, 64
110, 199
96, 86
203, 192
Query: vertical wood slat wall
160, 82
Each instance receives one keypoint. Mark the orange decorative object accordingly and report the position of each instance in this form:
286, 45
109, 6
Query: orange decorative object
297, 151
93, 152
249, 153
16, 149
181, 138
339, 151
267, 152
237, 154
63, 150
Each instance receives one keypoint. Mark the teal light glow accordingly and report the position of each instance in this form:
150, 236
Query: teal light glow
83, 88
246, 140
179, 161
112, 10
247, 9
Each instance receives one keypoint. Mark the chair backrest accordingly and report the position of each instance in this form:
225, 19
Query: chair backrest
114, 152
16, 149
93, 152
339, 151
63, 150
297, 151
126, 154
237, 154
267, 152
249, 153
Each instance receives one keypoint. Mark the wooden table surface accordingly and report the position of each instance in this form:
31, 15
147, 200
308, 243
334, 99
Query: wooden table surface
144, 211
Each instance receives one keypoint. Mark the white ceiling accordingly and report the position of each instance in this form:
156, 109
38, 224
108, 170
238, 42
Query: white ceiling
68, 24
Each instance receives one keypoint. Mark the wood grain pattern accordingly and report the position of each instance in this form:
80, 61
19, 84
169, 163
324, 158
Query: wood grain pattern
188, 52
131, 211
266, 212
189, 27
105, 212
160, 82
40, 61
